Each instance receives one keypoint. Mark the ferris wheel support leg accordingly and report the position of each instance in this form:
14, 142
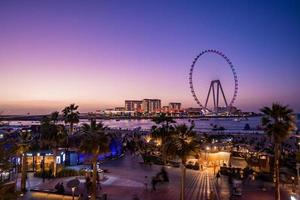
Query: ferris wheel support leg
214, 97
208, 95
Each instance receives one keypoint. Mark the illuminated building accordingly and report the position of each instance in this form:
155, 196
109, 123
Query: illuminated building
174, 107
165, 109
151, 105
133, 105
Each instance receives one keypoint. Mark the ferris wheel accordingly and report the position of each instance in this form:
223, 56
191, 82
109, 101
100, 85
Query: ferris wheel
215, 86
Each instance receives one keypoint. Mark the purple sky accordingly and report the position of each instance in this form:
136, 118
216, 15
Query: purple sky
99, 53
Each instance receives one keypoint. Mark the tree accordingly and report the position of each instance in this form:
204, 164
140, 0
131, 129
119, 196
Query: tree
164, 120
71, 116
23, 145
183, 143
5, 165
53, 136
4, 157
278, 122
95, 142
54, 116
162, 131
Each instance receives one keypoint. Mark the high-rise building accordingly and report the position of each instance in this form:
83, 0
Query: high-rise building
165, 109
133, 105
174, 107
151, 105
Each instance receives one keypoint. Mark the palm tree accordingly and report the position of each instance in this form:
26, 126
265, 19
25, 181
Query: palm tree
182, 144
163, 119
54, 116
52, 136
95, 142
162, 130
278, 122
71, 116
22, 148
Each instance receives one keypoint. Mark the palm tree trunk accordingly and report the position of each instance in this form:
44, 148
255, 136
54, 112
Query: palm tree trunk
182, 182
54, 162
94, 194
24, 173
276, 168
71, 128
163, 152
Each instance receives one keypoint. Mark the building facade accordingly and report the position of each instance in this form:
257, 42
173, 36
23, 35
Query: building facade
174, 107
133, 105
151, 105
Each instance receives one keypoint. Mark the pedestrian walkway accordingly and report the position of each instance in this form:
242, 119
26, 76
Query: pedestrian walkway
126, 179
201, 186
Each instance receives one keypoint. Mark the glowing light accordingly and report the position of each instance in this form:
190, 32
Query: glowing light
293, 198
58, 159
63, 157
148, 138
158, 142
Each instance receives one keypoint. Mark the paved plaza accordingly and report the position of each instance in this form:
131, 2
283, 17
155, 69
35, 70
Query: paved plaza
126, 177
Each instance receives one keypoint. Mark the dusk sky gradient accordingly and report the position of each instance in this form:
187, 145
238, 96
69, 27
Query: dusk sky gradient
99, 53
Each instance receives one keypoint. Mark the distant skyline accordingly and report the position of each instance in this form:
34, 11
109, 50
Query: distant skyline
99, 53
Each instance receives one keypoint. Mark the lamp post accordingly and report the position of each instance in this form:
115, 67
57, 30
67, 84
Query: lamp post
73, 192
215, 165
293, 184
207, 149
43, 168
298, 175
242, 174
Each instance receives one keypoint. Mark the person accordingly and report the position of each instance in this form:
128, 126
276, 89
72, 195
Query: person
218, 176
146, 183
87, 183
153, 182
164, 174
98, 182
50, 174
62, 188
57, 187
211, 195
80, 197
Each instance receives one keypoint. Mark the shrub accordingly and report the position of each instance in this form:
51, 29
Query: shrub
46, 174
67, 172
62, 173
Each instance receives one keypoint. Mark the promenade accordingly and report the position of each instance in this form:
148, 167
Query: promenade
126, 177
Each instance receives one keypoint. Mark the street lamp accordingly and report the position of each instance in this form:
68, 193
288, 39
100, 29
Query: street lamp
253, 176
73, 192
241, 173
206, 152
293, 184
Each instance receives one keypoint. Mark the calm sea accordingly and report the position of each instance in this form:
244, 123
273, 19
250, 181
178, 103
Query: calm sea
230, 124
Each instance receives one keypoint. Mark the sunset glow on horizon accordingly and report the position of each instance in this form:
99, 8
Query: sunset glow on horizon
99, 53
